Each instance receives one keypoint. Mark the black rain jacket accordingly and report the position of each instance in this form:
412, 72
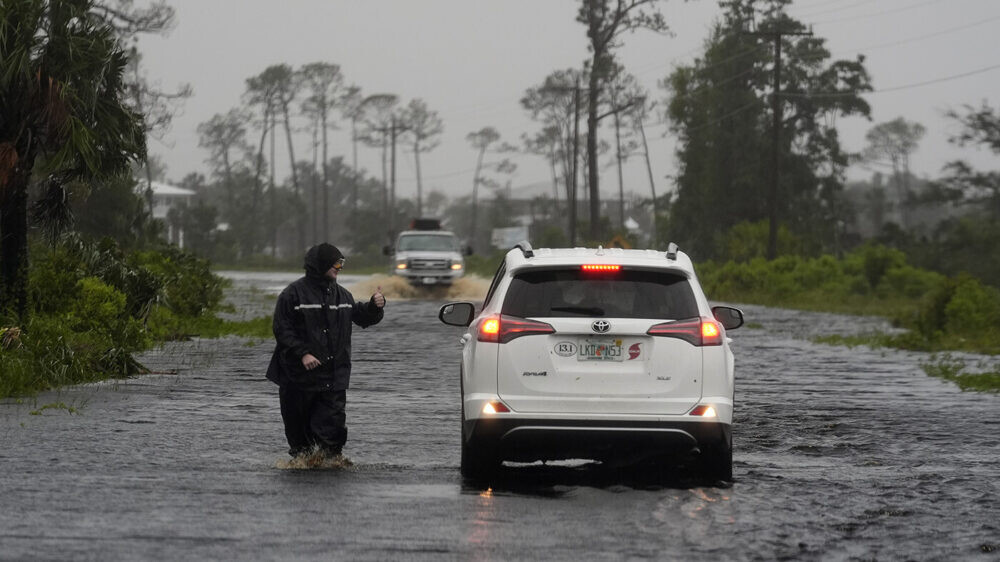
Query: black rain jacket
314, 315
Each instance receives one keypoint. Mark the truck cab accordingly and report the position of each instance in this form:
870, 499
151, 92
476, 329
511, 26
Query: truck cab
428, 255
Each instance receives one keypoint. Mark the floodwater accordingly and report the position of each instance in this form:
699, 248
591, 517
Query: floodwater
840, 454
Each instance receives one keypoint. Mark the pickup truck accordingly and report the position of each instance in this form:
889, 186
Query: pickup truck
427, 255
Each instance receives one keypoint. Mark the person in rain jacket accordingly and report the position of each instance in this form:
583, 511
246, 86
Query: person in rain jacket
311, 363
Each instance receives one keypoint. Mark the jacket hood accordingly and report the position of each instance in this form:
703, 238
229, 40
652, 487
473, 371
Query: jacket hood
320, 258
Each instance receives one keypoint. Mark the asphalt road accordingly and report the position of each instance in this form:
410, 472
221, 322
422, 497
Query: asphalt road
839, 455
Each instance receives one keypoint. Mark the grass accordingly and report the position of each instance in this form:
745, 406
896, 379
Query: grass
872, 340
952, 369
821, 301
210, 326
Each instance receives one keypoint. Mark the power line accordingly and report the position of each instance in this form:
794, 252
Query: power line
920, 37
877, 14
834, 10
892, 89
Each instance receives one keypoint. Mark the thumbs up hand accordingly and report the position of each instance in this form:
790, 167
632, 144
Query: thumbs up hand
378, 298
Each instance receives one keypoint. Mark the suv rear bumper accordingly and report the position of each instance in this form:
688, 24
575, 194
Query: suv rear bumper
525, 440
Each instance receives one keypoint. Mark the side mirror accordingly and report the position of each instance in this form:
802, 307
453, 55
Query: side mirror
387, 250
730, 318
457, 313
467, 250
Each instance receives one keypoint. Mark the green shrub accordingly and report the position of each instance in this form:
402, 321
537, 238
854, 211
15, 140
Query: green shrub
909, 282
484, 265
189, 286
52, 281
876, 261
748, 240
973, 309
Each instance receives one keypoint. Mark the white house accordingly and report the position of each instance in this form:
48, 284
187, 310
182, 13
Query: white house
166, 197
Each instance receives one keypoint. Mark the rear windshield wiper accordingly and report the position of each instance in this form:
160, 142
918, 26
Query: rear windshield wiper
585, 310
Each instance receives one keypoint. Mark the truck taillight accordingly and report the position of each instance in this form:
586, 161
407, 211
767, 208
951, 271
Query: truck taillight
502, 329
696, 331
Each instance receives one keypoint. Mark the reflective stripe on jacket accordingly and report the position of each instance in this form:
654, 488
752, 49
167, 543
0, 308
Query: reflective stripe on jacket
314, 315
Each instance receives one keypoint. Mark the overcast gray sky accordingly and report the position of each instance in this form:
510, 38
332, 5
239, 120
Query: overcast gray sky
472, 60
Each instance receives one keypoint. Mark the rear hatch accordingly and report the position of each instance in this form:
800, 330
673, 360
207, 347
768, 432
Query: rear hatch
598, 358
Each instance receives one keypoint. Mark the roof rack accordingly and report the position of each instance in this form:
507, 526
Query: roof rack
525, 248
672, 251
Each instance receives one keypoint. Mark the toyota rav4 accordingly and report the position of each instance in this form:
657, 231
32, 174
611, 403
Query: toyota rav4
603, 354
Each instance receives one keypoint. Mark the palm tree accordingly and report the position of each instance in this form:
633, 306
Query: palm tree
63, 117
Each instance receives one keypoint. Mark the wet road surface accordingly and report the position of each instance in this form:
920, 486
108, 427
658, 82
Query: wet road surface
839, 455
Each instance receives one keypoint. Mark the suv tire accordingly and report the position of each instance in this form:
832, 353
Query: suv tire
716, 462
477, 464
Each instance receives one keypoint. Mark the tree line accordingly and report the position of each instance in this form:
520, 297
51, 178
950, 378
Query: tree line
72, 125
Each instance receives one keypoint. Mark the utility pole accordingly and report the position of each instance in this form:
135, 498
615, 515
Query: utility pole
392, 181
772, 203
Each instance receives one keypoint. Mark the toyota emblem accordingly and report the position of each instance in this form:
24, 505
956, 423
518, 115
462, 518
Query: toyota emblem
601, 326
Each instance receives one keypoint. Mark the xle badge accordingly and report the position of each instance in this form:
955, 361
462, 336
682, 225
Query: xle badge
565, 349
634, 351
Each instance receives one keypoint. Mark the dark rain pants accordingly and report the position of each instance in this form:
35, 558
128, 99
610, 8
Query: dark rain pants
314, 419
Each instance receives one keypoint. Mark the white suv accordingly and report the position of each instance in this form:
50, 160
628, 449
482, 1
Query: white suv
599, 354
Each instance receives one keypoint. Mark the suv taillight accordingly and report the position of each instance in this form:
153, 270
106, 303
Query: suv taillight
502, 329
695, 331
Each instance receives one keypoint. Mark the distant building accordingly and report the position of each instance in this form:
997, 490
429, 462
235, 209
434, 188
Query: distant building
165, 198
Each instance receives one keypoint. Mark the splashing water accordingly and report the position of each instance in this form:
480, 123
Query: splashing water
316, 460
466, 288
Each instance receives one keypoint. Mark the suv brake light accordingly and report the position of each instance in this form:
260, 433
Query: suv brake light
502, 329
696, 331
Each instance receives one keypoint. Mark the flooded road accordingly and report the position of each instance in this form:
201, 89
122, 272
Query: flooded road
839, 455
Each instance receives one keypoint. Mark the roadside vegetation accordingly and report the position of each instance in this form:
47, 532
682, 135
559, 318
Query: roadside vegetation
938, 312
93, 306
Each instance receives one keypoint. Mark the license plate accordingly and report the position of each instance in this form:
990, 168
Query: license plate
600, 350
429, 280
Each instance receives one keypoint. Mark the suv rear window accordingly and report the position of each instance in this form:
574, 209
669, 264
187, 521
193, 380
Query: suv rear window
626, 294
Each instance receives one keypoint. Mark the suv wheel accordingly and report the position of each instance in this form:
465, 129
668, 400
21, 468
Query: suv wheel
477, 464
716, 462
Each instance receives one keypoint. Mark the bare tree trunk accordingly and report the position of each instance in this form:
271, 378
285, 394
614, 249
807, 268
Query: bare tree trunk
300, 225
392, 193
326, 179
475, 194
258, 184
230, 188
354, 167
592, 171
315, 188
621, 184
274, 194
555, 177
652, 185
385, 175
420, 186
